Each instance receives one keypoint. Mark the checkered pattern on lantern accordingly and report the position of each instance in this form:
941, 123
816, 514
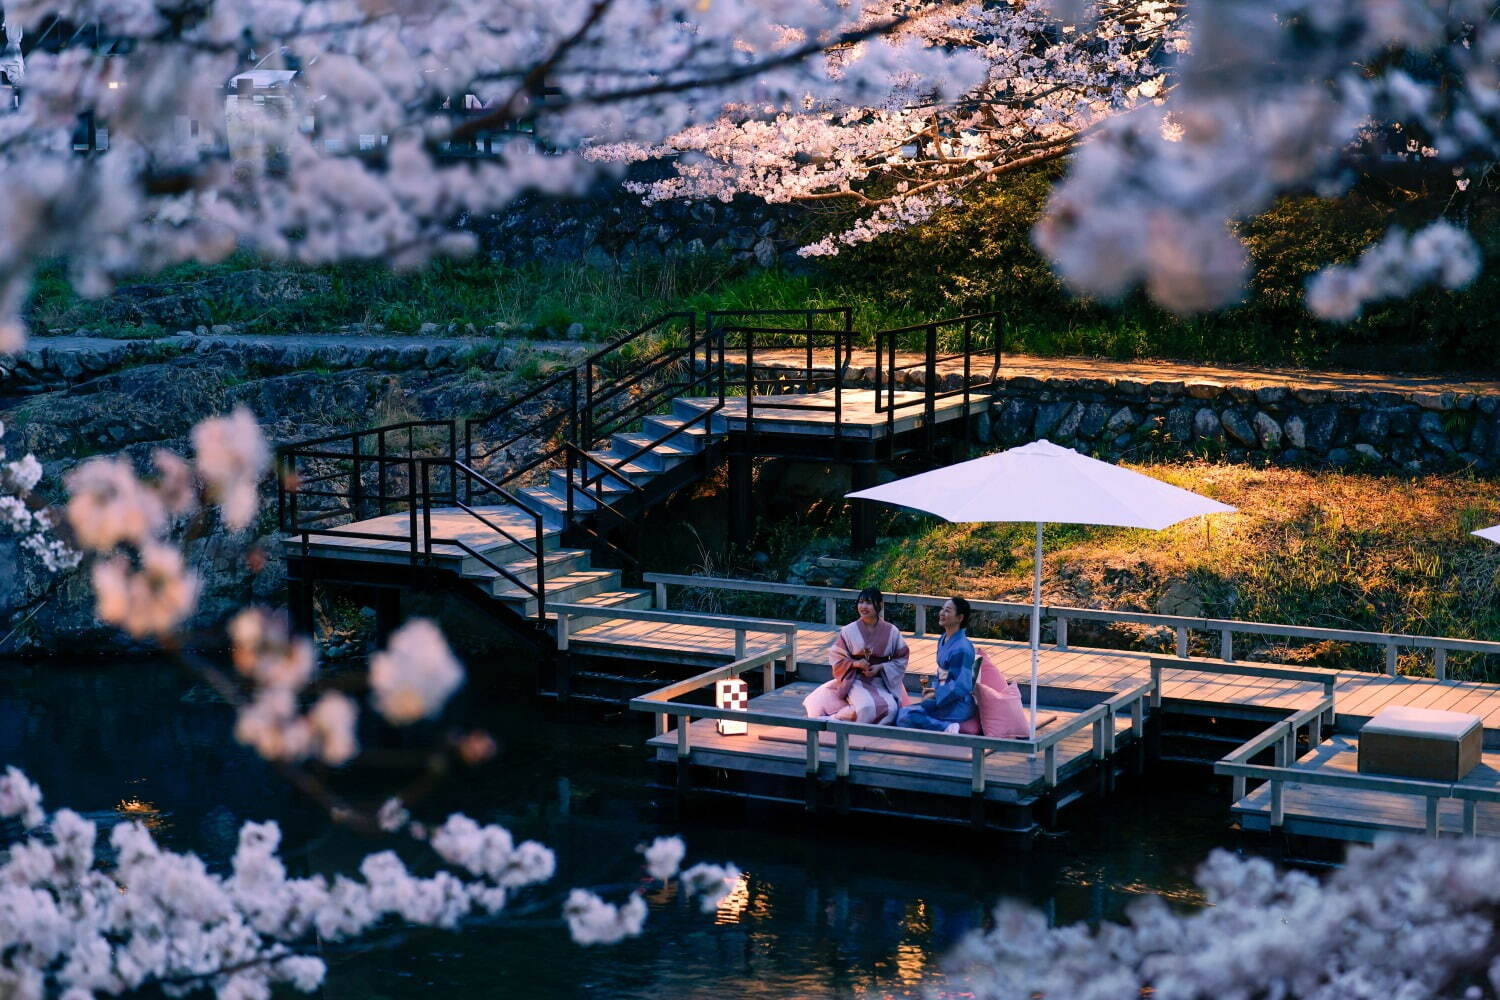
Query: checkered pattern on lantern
734, 694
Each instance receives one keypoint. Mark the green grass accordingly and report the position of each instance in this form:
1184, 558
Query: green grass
1377, 553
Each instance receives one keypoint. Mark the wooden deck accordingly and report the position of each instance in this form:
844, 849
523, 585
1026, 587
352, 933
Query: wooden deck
881, 762
1193, 691
1354, 814
812, 414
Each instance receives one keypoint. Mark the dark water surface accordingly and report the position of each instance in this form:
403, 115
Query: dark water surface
823, 911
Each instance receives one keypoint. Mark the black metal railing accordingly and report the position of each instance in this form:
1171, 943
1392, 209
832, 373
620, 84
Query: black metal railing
389, 470
965, 335
819, 388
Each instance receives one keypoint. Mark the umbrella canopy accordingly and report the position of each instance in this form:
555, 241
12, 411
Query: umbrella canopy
1490, 534
1043, 482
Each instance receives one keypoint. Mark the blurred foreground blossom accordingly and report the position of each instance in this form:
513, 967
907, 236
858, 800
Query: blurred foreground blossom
232, 456
415, 674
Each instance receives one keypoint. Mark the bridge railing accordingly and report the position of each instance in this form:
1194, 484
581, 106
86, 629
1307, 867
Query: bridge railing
357, 474
966, 335
1390, 643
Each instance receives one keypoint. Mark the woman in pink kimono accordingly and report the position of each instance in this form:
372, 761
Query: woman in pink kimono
869, 669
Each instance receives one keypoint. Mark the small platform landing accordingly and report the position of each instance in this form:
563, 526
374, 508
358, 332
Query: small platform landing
1335, 812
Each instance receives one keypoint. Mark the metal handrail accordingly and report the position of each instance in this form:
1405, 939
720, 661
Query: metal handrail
886, 370
537, 549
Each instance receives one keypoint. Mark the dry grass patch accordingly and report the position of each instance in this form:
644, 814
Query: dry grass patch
1330, 549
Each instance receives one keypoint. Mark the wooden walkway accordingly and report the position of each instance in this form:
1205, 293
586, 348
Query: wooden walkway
1358, 695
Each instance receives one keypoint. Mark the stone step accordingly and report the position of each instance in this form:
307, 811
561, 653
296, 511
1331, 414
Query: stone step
554, 564
609, 599
663, 455
695, 437
609, 486
569, 588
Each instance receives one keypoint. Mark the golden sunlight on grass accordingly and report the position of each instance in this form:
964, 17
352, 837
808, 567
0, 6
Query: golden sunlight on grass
1336, 550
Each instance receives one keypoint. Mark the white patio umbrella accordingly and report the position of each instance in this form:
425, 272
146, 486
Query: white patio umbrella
1043, 482
1490, 534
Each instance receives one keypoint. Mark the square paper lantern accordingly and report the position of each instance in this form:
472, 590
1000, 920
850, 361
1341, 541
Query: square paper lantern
732, 694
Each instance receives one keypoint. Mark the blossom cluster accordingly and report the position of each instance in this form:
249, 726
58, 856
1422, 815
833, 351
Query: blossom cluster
1406, 918
1269, 98
1022, 88
360, 165
141, 581
70, 924
20, 515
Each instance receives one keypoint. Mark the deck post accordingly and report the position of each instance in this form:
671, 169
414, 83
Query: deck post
1182, 642
791, 654
1390, 659
1278, 808
811, 779
1155, 686
1099, 739
768, 677
562, 631
1440, 663
1062, 631
1432, 815
841, 772
1239, 788
741, 499
1315, 730
1470, 827
830, 611
920, 629
661, 597
1137, 717
976, 781
1226, 645
862, 519
661, 723
739, 644
684, 741
1049, 765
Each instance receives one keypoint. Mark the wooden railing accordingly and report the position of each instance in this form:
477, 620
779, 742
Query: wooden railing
567, 614
1101, 717
1060, 616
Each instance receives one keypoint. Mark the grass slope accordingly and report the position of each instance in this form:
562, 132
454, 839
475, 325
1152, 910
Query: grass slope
1328, 549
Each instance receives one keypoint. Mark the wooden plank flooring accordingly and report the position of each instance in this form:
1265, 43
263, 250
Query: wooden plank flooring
1355, 814
881, 761
812, 413
450, 523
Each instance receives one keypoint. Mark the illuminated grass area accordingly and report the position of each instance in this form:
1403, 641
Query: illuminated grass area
1327, 549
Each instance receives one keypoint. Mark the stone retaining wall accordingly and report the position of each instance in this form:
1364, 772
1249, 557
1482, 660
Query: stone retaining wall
1287, 424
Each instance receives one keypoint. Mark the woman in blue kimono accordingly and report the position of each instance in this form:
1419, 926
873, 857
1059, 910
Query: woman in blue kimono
953, 700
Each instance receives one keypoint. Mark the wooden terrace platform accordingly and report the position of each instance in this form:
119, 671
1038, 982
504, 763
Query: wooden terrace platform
811, 414
892, 760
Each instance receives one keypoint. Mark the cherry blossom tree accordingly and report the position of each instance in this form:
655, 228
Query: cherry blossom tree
1046, 85
363, 163
1180, 119
1408, 918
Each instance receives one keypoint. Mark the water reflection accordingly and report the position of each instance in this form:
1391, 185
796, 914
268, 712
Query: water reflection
861, 909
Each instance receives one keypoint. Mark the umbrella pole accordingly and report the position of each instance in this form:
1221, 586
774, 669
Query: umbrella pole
1036, 622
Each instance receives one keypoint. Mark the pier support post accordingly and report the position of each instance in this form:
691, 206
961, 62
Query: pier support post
387, 614
299, 600
862, 513
741, 499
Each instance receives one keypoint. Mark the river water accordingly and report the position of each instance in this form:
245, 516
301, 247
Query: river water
823, 911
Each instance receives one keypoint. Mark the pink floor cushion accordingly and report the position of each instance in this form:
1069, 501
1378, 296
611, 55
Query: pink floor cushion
1001, 713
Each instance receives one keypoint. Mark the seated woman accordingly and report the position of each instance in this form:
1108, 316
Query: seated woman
869, 669
953, 701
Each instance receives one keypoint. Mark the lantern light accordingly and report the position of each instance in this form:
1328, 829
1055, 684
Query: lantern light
733, 694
